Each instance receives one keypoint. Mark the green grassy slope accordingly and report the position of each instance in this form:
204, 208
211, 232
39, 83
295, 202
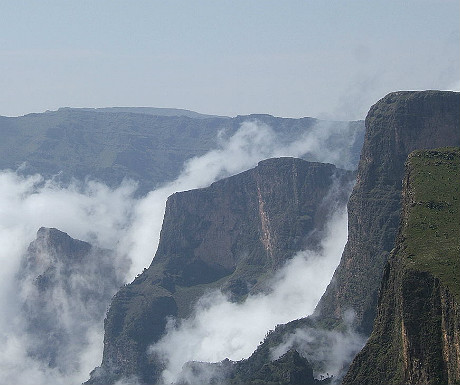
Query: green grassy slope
432, 233
416, 329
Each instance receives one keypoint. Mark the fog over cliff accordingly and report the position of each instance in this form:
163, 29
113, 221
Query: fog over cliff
114, 219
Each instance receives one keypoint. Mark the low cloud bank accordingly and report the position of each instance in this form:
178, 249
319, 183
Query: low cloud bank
116, 220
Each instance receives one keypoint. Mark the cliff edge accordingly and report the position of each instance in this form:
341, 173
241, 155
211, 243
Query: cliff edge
396, 125
416, 336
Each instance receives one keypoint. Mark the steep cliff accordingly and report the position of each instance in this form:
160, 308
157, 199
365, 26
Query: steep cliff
64, 285
231, 236
395, 126
416, 336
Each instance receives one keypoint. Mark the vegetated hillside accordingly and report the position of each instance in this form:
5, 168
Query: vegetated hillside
231, 236
109, 145
416, 335
395, 126
64, 287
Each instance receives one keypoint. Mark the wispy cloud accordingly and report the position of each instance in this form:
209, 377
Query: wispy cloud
253, 142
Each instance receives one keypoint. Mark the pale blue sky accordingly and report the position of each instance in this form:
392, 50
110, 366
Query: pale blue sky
329, 59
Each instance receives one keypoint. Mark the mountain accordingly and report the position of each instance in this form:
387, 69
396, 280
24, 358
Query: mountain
112, 144
416, 334
395, 126
65, 286
235, 235
148, 111
232, 236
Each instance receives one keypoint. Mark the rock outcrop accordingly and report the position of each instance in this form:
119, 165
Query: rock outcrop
231, 236
416, 335
64, 288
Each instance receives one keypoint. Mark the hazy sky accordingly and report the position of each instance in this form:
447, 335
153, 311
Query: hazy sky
329, 59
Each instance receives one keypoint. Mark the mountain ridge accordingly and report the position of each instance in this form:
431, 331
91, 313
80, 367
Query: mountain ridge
157, 111
150, 150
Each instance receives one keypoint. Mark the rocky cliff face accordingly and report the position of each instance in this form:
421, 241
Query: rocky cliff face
65, 285
395, 126
416, 336
231, 236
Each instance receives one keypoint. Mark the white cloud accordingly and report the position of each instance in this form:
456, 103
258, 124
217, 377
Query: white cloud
88, 211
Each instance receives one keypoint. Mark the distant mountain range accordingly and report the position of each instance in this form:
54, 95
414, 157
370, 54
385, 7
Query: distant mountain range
148, 111
111, 144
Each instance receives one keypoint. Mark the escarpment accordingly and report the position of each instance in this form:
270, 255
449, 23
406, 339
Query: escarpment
416, 335
395, 126
230, 236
